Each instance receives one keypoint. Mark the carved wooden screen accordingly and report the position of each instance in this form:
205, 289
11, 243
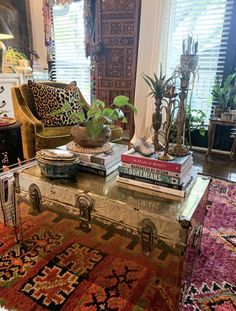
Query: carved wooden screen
117, 29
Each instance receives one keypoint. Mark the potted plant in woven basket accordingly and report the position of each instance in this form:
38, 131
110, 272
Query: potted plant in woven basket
92, 128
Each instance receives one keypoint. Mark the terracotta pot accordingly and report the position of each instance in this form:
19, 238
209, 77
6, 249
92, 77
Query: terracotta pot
81, 137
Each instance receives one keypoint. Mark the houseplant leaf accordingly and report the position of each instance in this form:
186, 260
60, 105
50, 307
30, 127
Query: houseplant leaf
94, 128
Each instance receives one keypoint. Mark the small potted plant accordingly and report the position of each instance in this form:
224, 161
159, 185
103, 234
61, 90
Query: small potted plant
224, 94
16, 61
92, 129
158, 86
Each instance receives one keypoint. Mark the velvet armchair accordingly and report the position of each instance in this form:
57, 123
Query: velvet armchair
35, 135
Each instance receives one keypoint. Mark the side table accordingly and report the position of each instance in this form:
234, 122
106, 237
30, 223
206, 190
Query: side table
10, 144
211, 134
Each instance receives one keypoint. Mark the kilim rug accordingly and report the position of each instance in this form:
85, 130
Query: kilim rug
212, 285
59, 267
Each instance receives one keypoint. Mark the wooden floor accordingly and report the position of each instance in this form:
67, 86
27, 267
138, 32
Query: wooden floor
215, 165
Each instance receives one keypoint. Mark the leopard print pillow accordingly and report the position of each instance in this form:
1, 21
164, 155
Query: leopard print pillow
48, 99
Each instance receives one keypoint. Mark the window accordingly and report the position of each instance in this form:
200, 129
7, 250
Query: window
69, 61
209, 21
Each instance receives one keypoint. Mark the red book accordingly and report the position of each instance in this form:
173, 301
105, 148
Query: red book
176, 165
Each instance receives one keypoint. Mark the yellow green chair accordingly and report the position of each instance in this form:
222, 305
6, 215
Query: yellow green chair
35, 135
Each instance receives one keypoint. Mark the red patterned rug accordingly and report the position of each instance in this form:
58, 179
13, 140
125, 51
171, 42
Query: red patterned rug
212, 285
58, 267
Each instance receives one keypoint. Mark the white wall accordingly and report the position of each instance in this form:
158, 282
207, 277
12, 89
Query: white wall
37, 22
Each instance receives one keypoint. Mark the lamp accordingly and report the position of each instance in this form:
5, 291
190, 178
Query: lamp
5, 34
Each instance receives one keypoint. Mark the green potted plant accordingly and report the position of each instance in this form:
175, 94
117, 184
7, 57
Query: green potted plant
92, 129
224, 94
16, 61
195, 126
158, 86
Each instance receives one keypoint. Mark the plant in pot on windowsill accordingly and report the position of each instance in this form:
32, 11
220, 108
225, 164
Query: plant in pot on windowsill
224, 94
92, 129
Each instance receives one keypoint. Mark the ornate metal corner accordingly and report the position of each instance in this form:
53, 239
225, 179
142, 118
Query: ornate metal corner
85, 204
35, 198
147, 230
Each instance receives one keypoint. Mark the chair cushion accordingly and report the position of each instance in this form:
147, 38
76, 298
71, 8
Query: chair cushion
53, 137
49, 99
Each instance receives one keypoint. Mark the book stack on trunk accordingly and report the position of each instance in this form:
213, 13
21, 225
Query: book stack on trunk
103, 164
173, 177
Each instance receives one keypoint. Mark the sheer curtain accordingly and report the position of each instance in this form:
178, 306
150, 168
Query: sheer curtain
153, 42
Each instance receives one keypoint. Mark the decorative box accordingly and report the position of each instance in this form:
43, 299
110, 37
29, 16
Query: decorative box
56, 163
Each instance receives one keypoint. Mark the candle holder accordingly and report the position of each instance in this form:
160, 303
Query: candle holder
169, 105
188, 65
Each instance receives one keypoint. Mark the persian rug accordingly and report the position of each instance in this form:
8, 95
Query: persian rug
59, 267
212, 285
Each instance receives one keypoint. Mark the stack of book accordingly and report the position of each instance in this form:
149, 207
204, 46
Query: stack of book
173, 177
102, 164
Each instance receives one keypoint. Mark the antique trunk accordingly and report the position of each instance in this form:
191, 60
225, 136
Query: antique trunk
153, 216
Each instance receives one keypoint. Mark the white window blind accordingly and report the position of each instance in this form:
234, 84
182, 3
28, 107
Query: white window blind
69, 61
209, 21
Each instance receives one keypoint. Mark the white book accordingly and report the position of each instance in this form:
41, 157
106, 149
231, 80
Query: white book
176, 192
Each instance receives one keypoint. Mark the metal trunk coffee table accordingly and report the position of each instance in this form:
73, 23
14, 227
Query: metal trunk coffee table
151, 216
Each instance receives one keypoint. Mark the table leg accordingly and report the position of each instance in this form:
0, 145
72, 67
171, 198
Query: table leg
232, 152
211, 136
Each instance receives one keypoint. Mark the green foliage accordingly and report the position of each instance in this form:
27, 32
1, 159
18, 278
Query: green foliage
13, 55
224, 92
98, 114
195, 119
157, 85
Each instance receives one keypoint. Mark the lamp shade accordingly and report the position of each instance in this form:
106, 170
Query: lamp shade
5, 32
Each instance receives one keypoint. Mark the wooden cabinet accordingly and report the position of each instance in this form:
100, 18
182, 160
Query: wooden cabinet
7, 81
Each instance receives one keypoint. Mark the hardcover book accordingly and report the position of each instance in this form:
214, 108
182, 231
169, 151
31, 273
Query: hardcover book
150, 186
154, 175
156, 181
102, 158
176, 165
98, 171
181, 176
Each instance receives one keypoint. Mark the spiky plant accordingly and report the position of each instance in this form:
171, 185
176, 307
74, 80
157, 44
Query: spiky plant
157, 85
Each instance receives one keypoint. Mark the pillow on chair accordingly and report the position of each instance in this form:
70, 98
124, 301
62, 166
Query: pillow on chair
48, 99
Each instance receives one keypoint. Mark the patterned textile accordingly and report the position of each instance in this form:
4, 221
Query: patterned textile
59, 267
49, 99
213, 281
